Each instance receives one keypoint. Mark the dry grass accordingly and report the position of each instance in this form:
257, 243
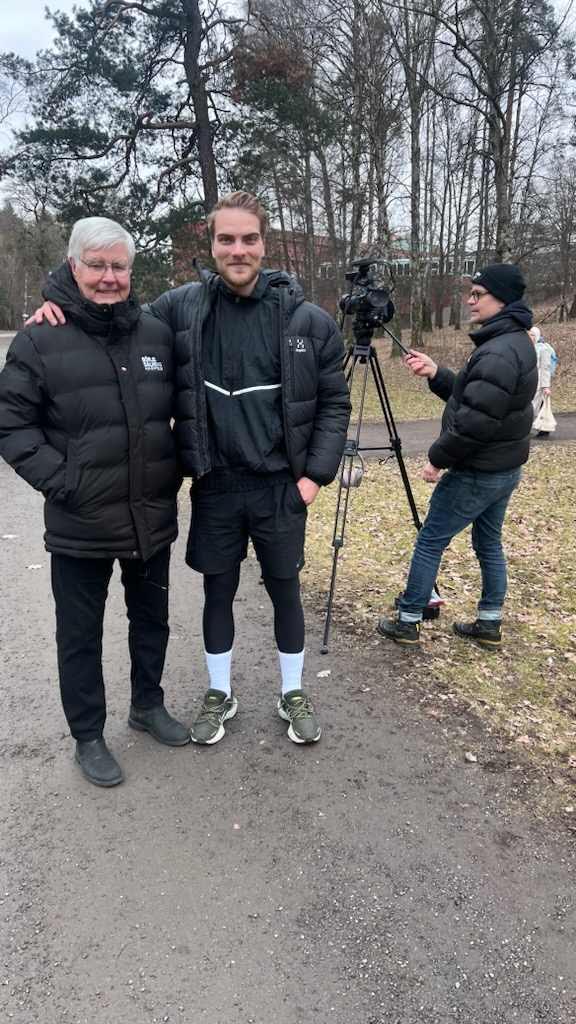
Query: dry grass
528, 689
411, 399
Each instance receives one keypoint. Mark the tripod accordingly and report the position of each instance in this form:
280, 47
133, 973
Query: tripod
361, 351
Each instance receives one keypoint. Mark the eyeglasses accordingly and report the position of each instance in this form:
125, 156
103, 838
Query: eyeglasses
100, 267
476, 296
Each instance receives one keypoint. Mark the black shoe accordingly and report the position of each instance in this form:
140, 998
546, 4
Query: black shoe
407, 633
487, 632
97, 763
543, 433
160, 724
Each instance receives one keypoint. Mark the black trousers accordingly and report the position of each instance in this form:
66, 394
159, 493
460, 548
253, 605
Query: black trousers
80, 588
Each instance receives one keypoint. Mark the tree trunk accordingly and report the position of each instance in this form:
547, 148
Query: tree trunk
503, 219
297, 265
416, 290
280, 208
329, 211
192, 42
357, 131
309, 245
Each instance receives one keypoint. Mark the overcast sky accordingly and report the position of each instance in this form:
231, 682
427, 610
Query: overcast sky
24, 28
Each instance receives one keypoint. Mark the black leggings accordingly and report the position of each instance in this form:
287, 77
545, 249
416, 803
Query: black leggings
218, 619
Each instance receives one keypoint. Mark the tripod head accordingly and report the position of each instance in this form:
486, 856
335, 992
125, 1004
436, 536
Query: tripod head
369, 299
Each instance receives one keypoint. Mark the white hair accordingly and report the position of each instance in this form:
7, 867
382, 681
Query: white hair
98, 233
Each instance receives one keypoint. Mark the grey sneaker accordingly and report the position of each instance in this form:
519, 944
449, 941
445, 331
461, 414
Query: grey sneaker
297, 708
217, 708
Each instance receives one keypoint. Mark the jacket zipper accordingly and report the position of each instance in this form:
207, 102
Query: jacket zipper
287, 369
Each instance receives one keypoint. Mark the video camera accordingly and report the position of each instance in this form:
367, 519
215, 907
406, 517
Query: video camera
369, 300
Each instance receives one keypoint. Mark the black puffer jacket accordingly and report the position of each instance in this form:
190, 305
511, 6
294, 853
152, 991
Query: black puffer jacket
85, 414
488, 415
315, 398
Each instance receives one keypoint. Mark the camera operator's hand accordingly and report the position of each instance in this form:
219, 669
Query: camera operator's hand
48, 311
308, 489
431, 474
420, 364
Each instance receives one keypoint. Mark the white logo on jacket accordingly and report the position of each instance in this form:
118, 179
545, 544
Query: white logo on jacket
151, 363
299, 344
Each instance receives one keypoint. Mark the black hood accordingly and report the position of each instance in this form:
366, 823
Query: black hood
516, 316
112, 320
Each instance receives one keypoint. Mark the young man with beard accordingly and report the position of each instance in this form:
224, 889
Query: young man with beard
261, 420
485, 440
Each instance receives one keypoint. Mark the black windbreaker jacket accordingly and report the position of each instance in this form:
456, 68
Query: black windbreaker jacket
85, 412
488, 415
315, 399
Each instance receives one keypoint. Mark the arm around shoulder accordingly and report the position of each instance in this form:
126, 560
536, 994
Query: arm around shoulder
174, 306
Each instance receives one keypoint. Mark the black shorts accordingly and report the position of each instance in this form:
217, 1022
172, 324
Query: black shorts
273, 518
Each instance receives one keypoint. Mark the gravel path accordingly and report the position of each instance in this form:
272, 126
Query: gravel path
418, 435
376, 878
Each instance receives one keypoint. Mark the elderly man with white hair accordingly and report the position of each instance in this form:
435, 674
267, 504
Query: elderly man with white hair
85, 418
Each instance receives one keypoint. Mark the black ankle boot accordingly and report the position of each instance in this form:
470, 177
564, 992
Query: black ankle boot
160, 724
487, 632
407, 633
97, 763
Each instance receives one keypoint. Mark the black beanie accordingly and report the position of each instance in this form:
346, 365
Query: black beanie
505, 281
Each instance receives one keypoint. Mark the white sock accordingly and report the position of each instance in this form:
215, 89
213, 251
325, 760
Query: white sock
219, 666
291, 668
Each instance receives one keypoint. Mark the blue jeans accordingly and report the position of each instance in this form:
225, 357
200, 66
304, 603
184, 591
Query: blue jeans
461, 498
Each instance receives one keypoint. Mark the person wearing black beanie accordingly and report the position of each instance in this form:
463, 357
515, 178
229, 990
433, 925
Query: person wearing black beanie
484, 441
505, 281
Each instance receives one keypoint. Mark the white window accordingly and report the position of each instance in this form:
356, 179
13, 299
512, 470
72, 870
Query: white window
325, 271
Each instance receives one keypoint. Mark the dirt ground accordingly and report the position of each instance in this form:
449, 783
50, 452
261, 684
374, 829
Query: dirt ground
375, 878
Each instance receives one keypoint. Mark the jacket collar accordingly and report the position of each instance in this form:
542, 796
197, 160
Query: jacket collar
516, 316
103, 320
268, 279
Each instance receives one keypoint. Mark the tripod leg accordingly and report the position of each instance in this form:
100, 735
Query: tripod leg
338, 536
395, 440
350, 451
433, 610
328, 619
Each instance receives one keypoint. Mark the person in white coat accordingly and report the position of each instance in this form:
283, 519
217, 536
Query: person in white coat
544, 356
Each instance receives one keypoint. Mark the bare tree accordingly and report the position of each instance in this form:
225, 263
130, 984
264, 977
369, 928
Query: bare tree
413, 35
561, 227
499, 47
